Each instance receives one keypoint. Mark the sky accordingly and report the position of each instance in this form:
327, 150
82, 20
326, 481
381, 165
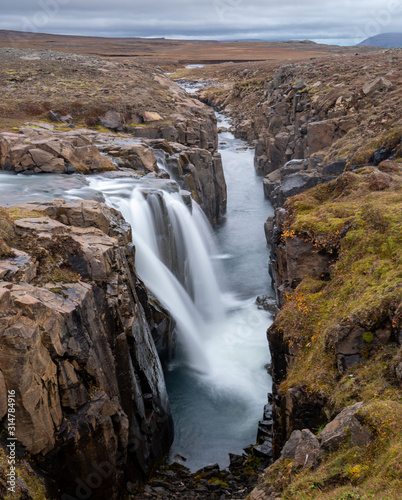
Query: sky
345, 21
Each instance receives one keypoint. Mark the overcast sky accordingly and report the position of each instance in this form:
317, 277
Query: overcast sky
353, 20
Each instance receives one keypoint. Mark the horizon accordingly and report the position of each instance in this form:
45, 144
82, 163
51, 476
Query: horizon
342, 42
217, 20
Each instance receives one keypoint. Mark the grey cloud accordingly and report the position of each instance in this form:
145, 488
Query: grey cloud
218, 19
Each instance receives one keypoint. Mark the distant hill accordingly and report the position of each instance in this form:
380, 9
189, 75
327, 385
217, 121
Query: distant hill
384, 40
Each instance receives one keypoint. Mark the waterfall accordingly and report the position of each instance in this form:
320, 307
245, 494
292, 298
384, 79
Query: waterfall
217, 384
174, 248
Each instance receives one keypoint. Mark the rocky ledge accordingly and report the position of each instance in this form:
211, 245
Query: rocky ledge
42, 148
78, 350
336, 342
91, 115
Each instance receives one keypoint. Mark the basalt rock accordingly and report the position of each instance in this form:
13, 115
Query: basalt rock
40, 150
302, 447
78, 350
294, 258
201, 173
345, 426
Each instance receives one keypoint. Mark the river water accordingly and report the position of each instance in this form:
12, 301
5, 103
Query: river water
218, 415
209, 281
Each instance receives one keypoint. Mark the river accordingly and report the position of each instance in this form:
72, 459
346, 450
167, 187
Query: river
218, 382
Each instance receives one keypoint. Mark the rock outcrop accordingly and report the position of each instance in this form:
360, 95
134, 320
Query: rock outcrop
77, 348
41, 149
201, 173
304, 450
335, 344
329, 112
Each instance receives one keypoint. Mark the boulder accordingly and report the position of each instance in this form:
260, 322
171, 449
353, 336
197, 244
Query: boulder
296, 184
378, 181
259, 494
334, 168
299, 85
345, 426
292, 167
264, 450
138, 157
112, 120
271, 182
377, 85
302, 447
320, 135
45, 162
151, 116
89, 160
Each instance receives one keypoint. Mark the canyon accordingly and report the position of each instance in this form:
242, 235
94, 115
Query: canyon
85, 342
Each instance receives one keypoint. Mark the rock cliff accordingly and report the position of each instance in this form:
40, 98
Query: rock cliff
77, 347
334, 113
336, 343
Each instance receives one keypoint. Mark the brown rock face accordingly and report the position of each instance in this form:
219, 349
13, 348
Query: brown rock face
377, 85
345, 426
150, 116
40, 150
352, 343
136, 156
302, 447
77, 348
320, 135
294, 259
201, 173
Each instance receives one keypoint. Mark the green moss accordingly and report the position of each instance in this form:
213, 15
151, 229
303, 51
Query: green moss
359, 148
29, 481
16, 213
368, 337
351, 472
6, 234
364, 230
221, 483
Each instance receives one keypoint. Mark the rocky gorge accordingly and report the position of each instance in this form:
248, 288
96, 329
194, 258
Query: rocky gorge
328, 140
83, 340
88, 337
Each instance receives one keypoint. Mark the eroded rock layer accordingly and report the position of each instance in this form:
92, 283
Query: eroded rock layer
77, 348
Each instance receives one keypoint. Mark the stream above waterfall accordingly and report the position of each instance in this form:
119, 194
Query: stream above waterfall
208, 280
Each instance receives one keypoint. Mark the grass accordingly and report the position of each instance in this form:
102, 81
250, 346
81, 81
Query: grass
355, 473
359, 148
363, 228
26, 476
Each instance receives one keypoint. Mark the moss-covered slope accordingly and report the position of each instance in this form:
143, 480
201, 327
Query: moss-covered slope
341, 334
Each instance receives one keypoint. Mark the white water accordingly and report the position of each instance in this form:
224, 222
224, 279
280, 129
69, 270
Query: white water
217, 383
171, 243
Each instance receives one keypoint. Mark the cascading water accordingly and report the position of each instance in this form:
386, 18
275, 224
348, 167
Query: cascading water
217, 383
173, 258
